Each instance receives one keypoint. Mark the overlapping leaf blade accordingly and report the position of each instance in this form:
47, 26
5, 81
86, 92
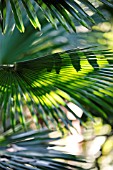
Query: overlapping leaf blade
52, 10
3, 14
31, 13
17, 14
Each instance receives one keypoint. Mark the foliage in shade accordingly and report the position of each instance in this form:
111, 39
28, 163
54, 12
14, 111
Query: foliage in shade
52, 10
32, 150
31, 44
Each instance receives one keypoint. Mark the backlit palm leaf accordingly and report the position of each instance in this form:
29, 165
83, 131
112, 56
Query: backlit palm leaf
45, 83
52, 9
30, 45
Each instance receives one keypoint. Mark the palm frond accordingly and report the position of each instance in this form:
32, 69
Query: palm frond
33, 150
29, 45
52, 10
31, 76
45, 84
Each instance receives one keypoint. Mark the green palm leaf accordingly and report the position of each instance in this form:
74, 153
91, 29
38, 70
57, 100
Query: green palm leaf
45, 83
52, 10
27, 46
33, 150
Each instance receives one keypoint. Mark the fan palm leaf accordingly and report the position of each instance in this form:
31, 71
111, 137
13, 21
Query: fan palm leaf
45, 83
33, 150
52, 10
28, 46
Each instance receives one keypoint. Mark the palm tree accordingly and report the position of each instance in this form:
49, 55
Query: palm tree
35, 73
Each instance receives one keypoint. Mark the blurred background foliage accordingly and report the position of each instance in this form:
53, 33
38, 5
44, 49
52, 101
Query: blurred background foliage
100, 35
98, 136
